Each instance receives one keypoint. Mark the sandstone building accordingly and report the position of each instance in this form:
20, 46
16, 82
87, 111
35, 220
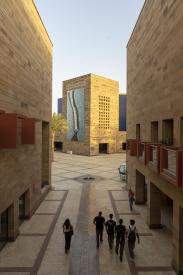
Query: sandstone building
25, 113
155, 118
91, 106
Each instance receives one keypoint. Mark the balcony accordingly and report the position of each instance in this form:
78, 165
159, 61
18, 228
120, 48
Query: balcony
171, 160
142, 151
153, 157
132, 147
16, 129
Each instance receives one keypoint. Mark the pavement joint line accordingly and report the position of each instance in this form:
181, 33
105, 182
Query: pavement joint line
52, 200
46, 214
131, 264
43, 249
15, 269
153, 268
129, 213
32, 234
121, 200
34, 270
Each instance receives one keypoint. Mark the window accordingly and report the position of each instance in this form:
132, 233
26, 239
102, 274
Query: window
104, 112
137, 131
154, 131
167, 134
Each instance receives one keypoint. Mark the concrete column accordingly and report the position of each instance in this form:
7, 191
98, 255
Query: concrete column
177, 261
13, 221
140, 188
154, 206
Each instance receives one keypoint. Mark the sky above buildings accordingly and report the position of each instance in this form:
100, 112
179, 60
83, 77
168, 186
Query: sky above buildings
89, 36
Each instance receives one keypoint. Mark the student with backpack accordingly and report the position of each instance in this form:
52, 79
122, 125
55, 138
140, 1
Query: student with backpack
120, 231
132, 234
110, 228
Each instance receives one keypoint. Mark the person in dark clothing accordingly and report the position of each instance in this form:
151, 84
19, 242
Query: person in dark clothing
131, 198
99, 222
68, 232
132, 234
110, 228
120, 231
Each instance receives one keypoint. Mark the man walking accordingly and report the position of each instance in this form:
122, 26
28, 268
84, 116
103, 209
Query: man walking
110, 228
132, 235
99, 222
120, 231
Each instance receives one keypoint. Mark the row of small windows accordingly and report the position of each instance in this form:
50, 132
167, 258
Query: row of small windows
104, 111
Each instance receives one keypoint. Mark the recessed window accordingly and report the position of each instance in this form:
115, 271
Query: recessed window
154, 131
137, 131
167, 132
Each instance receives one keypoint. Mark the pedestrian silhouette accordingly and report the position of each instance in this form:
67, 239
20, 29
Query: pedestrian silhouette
99, 222
132, 235
131, 198
110, 228
120, 231
68, 232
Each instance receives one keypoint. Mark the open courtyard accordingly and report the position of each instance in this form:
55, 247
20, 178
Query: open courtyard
39, 248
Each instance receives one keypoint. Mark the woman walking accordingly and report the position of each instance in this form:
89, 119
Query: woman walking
68, 232
131, 198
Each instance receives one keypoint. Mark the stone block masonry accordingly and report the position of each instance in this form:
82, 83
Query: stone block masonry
26, 90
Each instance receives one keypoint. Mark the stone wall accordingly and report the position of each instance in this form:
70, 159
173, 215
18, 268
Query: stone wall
101, 125
25, 89
155, 93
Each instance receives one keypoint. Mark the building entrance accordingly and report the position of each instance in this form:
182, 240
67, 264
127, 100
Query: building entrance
21, 208
167, 212
3, 228
140, 188
103, 148
58, 145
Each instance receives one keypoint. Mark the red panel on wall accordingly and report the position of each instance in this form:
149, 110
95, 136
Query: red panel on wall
8, 130
28, 131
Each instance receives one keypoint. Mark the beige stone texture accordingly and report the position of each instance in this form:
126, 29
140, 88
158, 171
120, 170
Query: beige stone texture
94, 88
25, 89
155, 93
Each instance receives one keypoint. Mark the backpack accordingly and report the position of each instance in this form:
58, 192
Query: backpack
132, 234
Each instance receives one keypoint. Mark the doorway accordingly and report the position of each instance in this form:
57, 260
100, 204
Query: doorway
3, 228
103, 148
21, 208
58, 146
140, 188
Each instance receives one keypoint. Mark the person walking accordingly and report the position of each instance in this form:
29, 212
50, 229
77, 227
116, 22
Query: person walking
132, 234
131, 198
99, 222
68, 232
110, 228
120, 231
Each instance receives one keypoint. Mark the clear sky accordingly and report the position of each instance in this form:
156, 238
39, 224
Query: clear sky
89, 36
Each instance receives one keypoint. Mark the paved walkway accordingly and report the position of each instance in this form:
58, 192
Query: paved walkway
39, 249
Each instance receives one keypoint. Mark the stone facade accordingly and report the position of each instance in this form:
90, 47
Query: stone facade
101, 122
25, 102
154, 108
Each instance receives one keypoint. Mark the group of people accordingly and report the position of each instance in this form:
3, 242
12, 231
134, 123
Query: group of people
119, 231
113, 231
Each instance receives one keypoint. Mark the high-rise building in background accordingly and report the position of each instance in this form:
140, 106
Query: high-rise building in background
155, 120
122, 112
91, 106
59, 105
25, 104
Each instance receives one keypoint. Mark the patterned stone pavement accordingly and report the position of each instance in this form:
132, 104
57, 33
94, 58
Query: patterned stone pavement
39, 249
